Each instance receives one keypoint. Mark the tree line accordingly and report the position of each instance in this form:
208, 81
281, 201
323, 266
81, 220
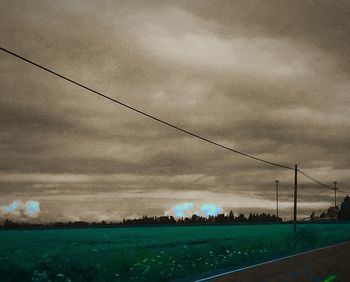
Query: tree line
229, 218
335, 213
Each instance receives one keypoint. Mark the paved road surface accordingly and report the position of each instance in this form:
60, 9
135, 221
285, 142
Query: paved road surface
327, 264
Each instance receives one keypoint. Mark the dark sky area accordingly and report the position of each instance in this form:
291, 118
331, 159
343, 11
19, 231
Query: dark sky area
269, 78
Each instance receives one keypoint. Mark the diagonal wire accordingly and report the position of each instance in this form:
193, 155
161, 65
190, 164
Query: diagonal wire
320, 183
144, 113
313, 179
341, 191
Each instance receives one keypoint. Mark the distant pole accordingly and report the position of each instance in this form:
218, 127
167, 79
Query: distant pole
277, 181
335, 193
295, 198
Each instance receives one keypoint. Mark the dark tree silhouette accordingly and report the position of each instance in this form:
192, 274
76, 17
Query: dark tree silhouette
344, 213
231, 216
312, 216
154, 220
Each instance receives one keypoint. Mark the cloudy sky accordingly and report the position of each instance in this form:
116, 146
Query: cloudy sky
269, 78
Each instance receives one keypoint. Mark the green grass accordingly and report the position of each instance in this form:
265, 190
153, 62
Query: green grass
152, 253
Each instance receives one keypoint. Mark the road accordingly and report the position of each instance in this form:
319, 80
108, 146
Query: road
327, 264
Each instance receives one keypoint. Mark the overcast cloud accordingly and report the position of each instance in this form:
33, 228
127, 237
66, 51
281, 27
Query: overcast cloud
269, 78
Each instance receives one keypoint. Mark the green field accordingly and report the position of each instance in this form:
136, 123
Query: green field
152, 253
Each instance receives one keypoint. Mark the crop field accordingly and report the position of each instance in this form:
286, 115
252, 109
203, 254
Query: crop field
152, 253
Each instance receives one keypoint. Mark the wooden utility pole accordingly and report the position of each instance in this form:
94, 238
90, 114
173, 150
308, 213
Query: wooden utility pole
335, 193
295, 198
277, 181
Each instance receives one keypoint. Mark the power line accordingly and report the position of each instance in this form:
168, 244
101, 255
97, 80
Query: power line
320, 183
144, 113
316, 181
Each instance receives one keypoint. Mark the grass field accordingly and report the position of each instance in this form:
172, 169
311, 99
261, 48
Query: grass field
152, 253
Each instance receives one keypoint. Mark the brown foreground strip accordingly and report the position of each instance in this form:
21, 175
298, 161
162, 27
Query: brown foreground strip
328, 264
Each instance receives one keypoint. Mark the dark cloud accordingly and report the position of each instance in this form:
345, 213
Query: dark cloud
268, 78
324, 24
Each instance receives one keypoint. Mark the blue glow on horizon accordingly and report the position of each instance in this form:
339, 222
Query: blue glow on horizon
181, 210
210, 209
11, 207
33, 207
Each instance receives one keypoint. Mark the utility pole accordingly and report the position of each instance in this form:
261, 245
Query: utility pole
277, 181
295, 198
335, 193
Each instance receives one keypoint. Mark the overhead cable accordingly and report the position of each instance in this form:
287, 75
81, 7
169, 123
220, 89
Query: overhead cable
144, 113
